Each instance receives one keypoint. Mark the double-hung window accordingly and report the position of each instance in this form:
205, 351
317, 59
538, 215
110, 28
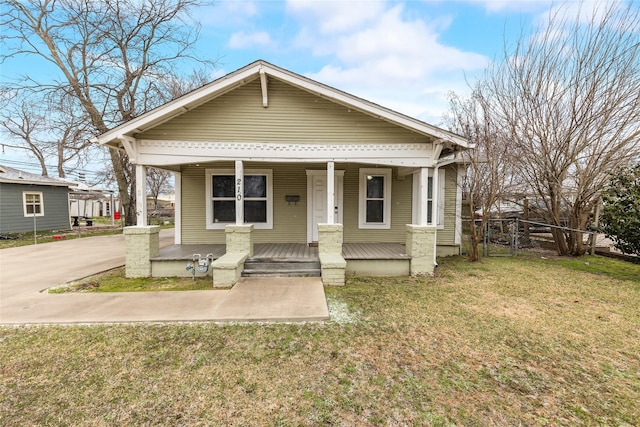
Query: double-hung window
32, 203
375, 198
222, 194
429, 202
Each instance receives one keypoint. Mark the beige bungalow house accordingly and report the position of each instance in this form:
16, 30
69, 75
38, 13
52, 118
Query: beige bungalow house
271, 166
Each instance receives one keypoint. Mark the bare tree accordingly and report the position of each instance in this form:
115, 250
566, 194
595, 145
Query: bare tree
569, 96
24, 123
158, 182
71, 132
489, 166
112, 55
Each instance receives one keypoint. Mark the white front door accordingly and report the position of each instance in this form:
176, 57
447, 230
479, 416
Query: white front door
317, 201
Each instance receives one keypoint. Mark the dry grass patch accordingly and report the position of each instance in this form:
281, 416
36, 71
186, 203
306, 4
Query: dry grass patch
448, 350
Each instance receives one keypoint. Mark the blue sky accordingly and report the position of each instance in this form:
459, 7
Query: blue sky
404, 55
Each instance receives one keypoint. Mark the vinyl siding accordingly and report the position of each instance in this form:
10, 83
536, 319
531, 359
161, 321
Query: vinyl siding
289, 219
400, 209
293, 116
55, 203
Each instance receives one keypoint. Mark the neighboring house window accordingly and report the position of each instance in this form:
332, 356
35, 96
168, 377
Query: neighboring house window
375, 198
441, 187
33, 205
257, 197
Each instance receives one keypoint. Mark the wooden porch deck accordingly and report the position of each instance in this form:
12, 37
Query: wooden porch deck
350, 251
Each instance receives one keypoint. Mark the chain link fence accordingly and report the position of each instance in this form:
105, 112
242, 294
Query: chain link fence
506, 236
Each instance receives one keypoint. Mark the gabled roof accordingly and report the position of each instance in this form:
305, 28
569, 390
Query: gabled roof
17, 176
261, 69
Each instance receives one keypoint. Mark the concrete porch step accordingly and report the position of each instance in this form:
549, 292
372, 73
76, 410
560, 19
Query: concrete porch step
281, 268
281, 273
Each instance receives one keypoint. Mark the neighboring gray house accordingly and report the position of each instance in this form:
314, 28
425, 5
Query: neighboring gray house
27, 199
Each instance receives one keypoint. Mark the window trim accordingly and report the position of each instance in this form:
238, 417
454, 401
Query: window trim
362, 213
209, 173
441, 197
40, 203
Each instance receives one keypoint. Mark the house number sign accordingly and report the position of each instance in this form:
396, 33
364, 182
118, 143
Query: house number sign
239, 189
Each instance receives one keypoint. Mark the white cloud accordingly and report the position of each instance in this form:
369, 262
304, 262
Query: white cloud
334, 17
585, 12
227, 13
385, 56
496, 6
241, 40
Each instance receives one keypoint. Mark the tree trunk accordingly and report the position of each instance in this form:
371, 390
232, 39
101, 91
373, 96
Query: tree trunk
475, 238
560, 240
120, 162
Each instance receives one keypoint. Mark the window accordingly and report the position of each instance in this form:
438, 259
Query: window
441, 187
375, 198
257, 198
32, 203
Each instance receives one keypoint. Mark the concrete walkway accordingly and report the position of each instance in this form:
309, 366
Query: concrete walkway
27, 271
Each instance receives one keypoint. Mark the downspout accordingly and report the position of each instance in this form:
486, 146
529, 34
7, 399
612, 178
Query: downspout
434, 213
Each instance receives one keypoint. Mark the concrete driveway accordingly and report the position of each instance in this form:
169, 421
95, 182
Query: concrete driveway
27, 271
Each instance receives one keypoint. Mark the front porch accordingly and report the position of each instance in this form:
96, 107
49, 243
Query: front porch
384, 259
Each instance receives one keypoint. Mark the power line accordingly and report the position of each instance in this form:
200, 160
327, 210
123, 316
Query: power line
36, 167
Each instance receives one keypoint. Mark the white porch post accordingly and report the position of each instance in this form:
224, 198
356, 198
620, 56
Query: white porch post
177, 208
141, 195
435, 197
423, 196
331, 188
239, 184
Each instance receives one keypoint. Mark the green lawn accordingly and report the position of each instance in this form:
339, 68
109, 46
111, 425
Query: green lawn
525, 341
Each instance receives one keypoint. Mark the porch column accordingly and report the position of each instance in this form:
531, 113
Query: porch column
141, 244
331, 188
177, 208
420, 246
435, 197
423, 197
239, 184
421, 237
141, 195
332, 264
239, 239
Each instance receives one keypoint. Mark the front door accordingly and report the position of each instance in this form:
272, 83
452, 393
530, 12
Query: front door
317, 201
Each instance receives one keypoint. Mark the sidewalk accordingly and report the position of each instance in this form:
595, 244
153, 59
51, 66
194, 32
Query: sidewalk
26, 271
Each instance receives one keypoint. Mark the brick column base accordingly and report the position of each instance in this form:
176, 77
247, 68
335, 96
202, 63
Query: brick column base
420, 247
239, 239
332, 264
141, 244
